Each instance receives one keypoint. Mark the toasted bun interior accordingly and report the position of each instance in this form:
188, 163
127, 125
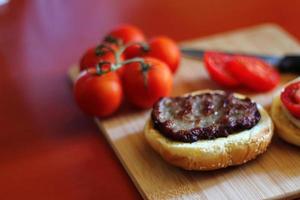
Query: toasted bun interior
218, 153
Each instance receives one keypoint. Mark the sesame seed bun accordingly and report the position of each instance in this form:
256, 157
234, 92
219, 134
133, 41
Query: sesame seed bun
235, 149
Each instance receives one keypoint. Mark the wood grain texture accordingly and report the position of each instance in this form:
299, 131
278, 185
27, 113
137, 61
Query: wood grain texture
275, 174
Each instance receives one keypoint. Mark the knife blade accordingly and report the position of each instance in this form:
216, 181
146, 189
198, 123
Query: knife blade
286, 64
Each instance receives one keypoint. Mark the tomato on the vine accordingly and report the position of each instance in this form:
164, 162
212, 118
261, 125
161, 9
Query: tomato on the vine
125, 34
145, 83
216, 65
99, 89
162, 48
165, 49
290, 98
254, 73
133, 51
98, 95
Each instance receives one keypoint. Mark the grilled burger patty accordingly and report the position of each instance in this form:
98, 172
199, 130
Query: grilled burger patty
203, 116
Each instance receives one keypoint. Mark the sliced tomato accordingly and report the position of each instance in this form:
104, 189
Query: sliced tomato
290, 98
254, 73
216, 64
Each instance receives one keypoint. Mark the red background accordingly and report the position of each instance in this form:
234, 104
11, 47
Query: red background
48, 148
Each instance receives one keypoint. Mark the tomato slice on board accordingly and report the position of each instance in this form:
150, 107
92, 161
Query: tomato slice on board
254, 73
290, 97
216, 65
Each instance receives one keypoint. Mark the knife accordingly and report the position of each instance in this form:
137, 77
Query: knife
285, 64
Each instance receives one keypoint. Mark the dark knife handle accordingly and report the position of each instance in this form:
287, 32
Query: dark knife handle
289, 63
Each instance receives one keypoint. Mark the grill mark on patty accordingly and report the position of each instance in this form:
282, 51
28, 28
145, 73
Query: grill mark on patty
203, 116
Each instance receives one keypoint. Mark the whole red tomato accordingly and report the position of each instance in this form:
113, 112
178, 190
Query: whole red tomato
162, 48
127, 33
144, 86
133, 51
165, 49
98, 95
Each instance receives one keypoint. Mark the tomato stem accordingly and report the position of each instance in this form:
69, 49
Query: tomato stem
118, 54
102, 49
144, 67
100, 70
113, 40
139, 60
118, 63
143, 45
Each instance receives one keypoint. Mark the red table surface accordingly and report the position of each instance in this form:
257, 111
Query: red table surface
48, 148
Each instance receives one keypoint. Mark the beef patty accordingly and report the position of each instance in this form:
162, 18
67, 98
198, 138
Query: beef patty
203, 116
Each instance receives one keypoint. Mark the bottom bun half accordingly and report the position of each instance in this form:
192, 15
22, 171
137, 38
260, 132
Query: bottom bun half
235, 149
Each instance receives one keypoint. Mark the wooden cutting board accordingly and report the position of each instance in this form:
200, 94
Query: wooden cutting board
275, 174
